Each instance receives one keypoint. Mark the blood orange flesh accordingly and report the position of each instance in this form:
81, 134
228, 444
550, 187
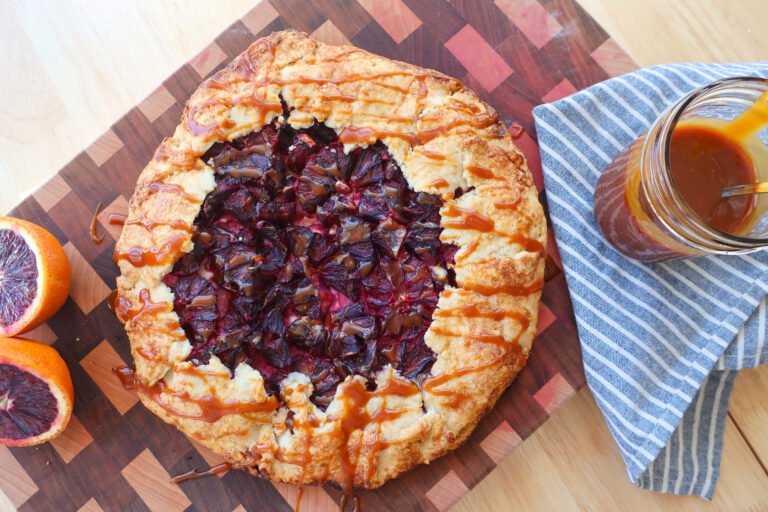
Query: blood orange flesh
27, 406
36, 393
18, 277
34, 276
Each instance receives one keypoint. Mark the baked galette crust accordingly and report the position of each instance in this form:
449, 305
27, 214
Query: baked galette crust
443, 138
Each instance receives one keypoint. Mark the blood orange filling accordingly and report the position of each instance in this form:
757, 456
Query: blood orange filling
311, 260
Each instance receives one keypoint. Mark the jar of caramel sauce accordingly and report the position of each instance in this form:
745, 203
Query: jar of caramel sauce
660, 198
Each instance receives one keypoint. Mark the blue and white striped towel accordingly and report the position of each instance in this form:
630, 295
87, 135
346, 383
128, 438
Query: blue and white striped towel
660, 341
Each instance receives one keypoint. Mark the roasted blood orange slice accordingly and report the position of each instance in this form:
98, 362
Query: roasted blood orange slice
35, 392
34, 276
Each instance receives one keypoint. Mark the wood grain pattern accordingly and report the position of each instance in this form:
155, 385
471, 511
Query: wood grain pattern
71, 89
572, 464
147, 476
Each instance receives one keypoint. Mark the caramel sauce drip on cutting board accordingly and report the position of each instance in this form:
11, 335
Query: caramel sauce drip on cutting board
94, 237
126, 375
196, 473
213, 470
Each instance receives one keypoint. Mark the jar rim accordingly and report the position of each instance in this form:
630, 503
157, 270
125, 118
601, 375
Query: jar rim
666, 131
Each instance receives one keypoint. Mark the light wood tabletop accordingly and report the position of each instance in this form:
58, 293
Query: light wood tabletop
71, 69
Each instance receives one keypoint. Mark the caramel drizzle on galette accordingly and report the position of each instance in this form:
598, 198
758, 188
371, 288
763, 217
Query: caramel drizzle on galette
353, 392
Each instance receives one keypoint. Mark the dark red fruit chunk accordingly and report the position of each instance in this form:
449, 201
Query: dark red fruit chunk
27, 407
18, 277
311, 260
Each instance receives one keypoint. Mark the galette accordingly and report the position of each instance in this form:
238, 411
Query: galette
332, 269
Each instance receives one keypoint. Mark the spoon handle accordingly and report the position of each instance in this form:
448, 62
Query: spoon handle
741, 190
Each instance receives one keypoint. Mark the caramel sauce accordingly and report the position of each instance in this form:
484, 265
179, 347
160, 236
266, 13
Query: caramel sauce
247, 95
751, 121
432, 155
483, 172
455, 398
518, 132
150, 225
365, 135
362, 99
111, 300
474, 310
147, 355
428, 134
142, 317
439, 183
211, 408
704, 161
345, 500
514, 204
508, 205
356, 396
96, 239
196, 473
467, 251
529, 244
165, 253
490, 339
120, 305
704, 156
299, 495
372, 78
183, 159
159, 186
117, 219
222, 129
203, 301
155, 255
214, 470
343, 55
126, 376
472, 219
518, 291
147, 307
469, 219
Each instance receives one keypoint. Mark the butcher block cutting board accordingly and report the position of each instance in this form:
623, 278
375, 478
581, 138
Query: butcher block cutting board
115, 455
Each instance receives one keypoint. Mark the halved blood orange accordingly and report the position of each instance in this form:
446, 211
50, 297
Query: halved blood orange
34, 276
36, 392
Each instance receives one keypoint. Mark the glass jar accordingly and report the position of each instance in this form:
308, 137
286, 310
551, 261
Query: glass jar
637, 204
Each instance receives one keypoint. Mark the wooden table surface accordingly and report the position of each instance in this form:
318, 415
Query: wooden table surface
71, 70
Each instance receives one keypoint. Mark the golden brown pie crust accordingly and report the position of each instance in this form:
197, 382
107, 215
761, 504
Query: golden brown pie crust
443, 137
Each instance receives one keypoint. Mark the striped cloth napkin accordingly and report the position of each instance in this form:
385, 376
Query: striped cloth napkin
661, 341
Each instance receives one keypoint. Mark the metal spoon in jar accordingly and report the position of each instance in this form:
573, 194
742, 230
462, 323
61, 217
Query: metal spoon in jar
743, 190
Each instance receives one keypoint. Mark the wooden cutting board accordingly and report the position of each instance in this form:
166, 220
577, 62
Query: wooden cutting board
115, 455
